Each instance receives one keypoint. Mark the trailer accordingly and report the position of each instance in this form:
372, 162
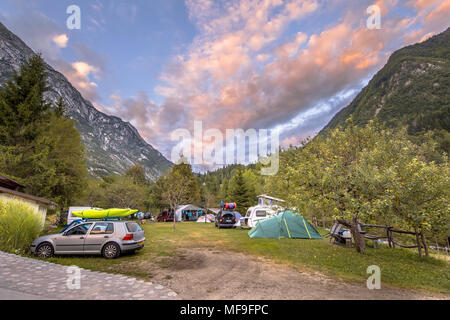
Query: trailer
266, 208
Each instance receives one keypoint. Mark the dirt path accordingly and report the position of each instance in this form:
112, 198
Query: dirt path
209, 274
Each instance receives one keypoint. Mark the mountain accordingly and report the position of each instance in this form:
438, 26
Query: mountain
112, 145
412, 89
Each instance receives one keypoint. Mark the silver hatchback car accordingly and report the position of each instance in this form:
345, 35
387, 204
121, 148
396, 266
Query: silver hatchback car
109, 238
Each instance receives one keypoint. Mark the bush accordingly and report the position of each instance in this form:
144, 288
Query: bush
19, 226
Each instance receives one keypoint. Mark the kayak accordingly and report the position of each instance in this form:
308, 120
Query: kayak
103, 213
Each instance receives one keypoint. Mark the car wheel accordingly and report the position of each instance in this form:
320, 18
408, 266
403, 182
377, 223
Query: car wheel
44, 250
111, 250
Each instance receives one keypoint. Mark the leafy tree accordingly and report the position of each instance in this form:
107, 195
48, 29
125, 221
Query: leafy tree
122, 192
155, 194
115, 192
185, 170
66, 159
178, 190
355, 174
137, 174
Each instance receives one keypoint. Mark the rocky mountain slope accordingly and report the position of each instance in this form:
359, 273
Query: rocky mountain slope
112, 145
412, 89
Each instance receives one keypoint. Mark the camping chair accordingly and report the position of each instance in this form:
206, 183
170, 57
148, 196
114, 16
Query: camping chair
334, 233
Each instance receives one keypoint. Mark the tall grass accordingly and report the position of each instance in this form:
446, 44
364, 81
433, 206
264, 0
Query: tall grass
19, 226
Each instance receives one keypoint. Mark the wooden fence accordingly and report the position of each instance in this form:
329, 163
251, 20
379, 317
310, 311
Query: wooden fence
389, 232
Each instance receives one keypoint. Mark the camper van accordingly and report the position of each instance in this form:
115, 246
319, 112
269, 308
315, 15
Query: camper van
267, 207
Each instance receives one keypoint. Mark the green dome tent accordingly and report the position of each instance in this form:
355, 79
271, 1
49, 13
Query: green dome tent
285, 225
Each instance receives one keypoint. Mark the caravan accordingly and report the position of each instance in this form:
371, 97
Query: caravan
267, 207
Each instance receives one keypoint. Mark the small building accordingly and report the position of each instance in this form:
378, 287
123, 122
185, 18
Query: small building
9, 189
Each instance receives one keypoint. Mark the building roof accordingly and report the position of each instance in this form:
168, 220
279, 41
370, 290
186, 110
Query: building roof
215, 210
28, 196
9, 183
270, 198
189, 207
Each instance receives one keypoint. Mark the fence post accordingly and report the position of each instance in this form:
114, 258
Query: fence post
418, 242
388, 234
315, 221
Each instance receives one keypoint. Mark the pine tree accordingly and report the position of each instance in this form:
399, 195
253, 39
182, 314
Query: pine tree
60, 108
24, 114
239, 192
40, 148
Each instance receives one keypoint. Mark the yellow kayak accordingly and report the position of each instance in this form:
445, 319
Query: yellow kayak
103, 213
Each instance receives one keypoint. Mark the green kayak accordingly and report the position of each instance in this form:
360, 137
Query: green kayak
103, 213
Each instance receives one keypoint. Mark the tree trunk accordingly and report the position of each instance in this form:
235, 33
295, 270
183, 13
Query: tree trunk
323, 223
360, 243
418, 242
174, 220
425, 246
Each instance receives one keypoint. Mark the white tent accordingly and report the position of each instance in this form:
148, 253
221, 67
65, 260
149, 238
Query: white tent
209, 218
188, 208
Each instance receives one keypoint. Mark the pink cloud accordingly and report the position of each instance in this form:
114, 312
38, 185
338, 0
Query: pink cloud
239, 72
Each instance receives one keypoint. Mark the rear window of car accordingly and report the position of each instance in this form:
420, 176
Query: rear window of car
133, 227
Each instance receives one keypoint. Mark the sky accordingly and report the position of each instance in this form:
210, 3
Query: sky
287, 65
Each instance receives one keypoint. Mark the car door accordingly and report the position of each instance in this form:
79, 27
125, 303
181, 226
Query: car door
72, 241
98, 236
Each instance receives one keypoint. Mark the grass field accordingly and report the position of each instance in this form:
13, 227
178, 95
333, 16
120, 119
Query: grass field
399, 267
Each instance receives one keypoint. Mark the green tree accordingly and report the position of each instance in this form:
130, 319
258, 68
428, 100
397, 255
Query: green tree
137, 174
224, 192
24, 113
122, 192
185, 170
239, 192
355, 174
66, 160
181, 188
38, 147
59, 109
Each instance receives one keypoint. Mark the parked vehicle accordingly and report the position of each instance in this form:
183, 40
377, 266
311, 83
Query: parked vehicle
226, 219
165, 216
147, 215
256, 214
109, 238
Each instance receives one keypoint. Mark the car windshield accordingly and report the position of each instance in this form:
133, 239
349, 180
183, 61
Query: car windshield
79, 230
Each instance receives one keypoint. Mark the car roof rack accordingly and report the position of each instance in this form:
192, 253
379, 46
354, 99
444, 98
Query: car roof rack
104, 219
